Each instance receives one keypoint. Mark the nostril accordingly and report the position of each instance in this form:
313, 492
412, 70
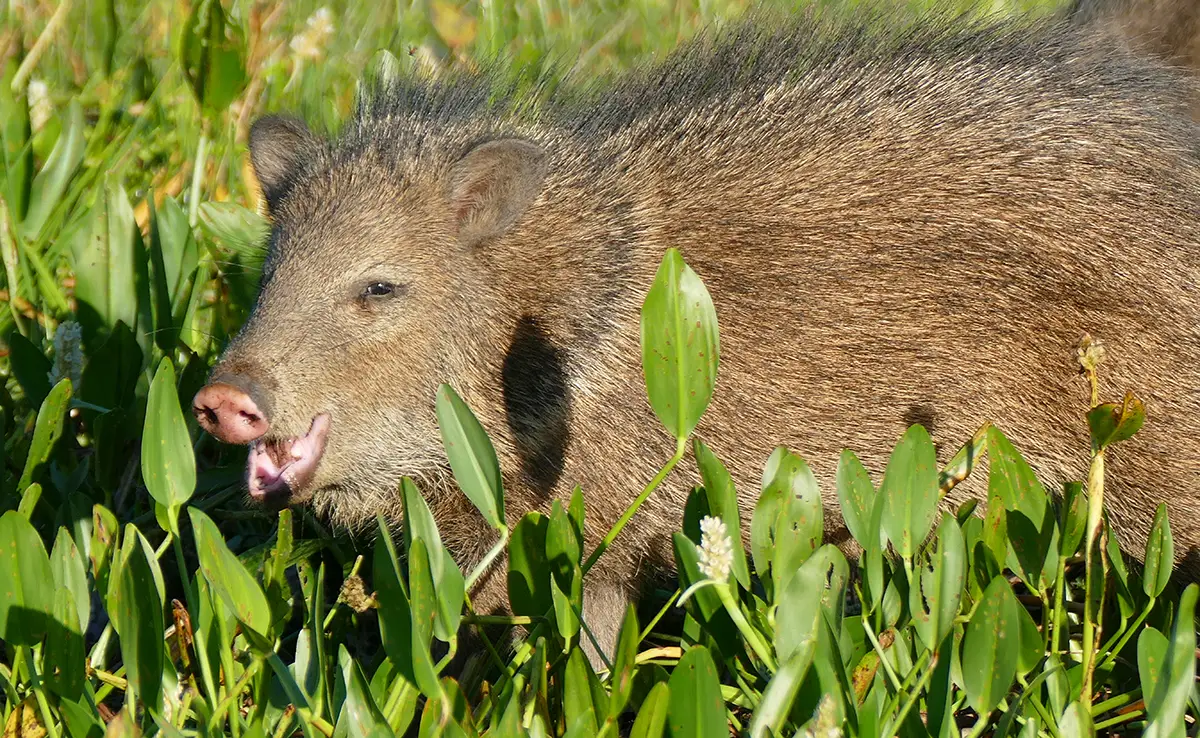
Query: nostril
250, 417
206, 416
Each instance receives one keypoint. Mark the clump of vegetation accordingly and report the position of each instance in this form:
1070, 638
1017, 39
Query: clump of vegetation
137, 595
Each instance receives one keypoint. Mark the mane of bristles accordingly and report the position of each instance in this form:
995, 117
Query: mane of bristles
729, 67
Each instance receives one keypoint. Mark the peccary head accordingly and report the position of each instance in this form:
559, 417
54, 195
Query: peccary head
377, 287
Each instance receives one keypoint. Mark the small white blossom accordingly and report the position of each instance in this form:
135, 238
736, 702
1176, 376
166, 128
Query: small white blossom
68, 354
310, 43
716, 550
40, 108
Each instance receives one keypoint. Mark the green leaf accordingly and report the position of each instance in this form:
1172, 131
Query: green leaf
788, 522
168, 464
861, 506
528, 568
448, 581
910, 491
180, 254
1011, 479
1152, 648
680, 345
51, 182
935, 601
577, 694
472, 457
567, 603
239, 229
564, 544
406, 644
1076, 722
363, 715
696, 708
136, 607
30, 367
1160, 555
1167, 705
624, 663
804, 598
1074, 519
46, 431
211, 51
15, 133
990, 647
777, 699
26, 602
229, 579
79, 719
652, 717
723, 504
71, 576
1111, 422
106, 266
1032, 646
64, 655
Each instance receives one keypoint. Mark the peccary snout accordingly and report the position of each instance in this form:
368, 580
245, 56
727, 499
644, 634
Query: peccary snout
229, 413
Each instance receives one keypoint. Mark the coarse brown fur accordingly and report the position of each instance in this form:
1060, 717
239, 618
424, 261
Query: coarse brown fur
897, 221
1169, 29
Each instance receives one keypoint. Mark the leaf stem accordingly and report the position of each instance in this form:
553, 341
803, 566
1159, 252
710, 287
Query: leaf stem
680, 450
39, 690
198, 176
1091, 606
752, 636
486, 563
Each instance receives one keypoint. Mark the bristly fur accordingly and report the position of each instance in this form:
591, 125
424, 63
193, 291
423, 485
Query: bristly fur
899, 219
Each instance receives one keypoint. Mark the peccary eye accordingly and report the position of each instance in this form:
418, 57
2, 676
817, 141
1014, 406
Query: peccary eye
379, 289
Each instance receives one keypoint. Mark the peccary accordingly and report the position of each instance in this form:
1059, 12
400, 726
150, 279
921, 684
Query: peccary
899, 222
1169, 29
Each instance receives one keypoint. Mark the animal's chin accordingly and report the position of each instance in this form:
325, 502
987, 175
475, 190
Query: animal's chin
280, 471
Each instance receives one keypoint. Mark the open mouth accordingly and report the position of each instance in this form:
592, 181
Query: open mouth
279, 467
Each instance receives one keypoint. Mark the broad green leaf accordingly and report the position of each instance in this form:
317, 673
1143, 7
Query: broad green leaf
578, 706
528, 568
448, 581
817, 586
180, 254
472, 457
405, 644
26, 600
564, 545
364, 716
1076, 722
934, 603
1112, 422
1167, 705
1033, 548
1032, 646
135, 605
652, 717
696, 708
30, 367
64, 655
624, 663
105, 532
211, 52
15, 133
99, 33
229, 579
239, 229
990, 647
51, 182
860, 504
1074, 518
1152, 648
107, 264
1160, 555
70, 575
567, 603
910, 491
776, 705
723, 503
168, 464
680, 345
791, 519
46, 431
79, 719
1012, 480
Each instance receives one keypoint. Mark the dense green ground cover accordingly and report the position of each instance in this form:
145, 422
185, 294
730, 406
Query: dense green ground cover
138, 594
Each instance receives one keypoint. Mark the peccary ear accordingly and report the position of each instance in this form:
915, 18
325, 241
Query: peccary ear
492, 186
278, 147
